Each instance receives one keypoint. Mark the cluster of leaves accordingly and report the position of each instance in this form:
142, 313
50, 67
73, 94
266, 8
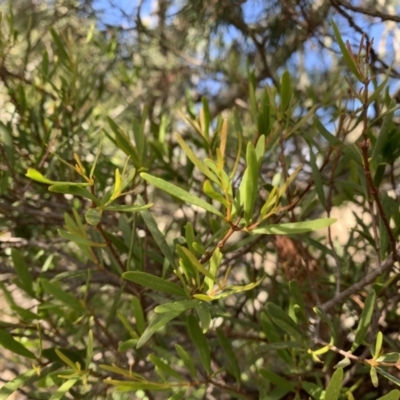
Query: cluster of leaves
193, 264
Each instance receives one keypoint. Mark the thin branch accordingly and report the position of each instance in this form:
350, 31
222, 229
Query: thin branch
385, 266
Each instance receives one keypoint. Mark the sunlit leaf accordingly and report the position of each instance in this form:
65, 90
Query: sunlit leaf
335, 385
9, 343
292, 228
181, 194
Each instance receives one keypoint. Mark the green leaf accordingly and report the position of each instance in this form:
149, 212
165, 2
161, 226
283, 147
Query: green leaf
22, 271
63, 389
374, 376
187, 360
9, 343
127, 386
196, 161
205, 119
378, 345
65, 359
280, 318
384, 133
180, 306
181, 194
79, 239
157, 322
388, 376
156, 233
89, 349
93, 216
297, 297
276, 379
317, 178
303, 120
263, 120
60, 45
75, 191
346, 54
324, 317
230, 354
333, 390
164, 367
389, 358
312, 389
345, 362
286, 91
139, 315
204, 315
292, 228
379, 174
38, 177
200, 342
195, 262
25, 379
392, 395
210, 192
129, 208
365, 320
154, 282
123, 142
248, 188
66, 298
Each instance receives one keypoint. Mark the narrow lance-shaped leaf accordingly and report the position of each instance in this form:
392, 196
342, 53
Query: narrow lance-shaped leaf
378, 345
9, 343
365, 320
195, 160
66, 298
156, 233
22, 271
317, 178
63, 389
38, 177
180, 193
348, 58
157, 322
280, 318
286, 91
196, 263
248, 188
200, 342
154, 282
393, 395
335, 385
75, 191
230, 354
187, 360
164, 367
294, 227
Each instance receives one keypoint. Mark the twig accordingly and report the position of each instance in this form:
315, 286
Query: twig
385, 266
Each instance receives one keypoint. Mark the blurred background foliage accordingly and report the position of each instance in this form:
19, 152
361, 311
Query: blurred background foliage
75, 73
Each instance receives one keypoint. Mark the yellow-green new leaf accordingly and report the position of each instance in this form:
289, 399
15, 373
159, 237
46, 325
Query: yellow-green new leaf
292, 228
38, 177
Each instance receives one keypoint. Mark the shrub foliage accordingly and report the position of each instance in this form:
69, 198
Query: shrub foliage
178, 252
